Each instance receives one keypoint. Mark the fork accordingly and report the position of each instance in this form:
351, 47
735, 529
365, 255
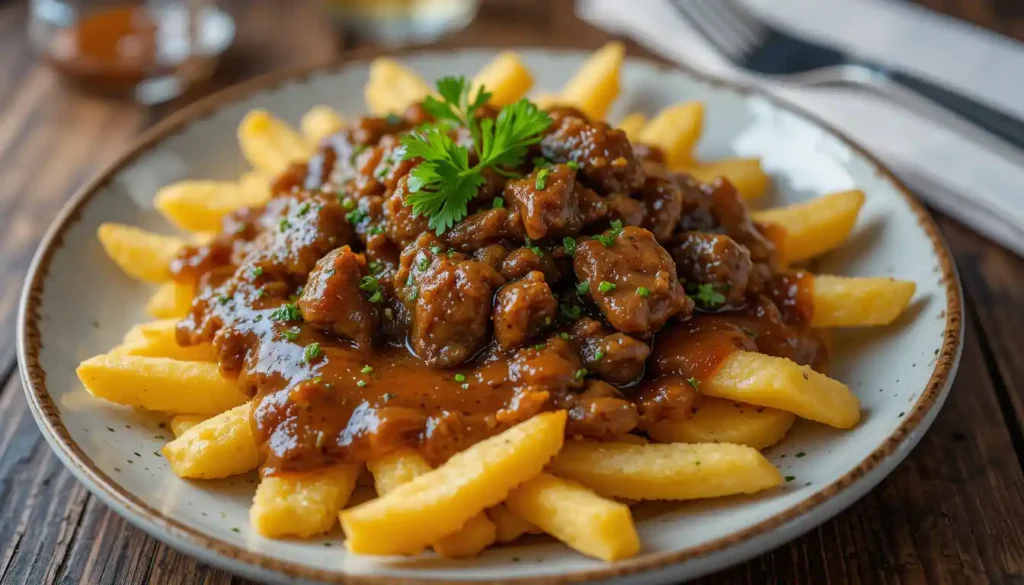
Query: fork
743, 38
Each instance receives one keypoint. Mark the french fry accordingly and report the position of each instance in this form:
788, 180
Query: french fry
269, 144
745, 174
816, 226
141, 254
725, 421
200, 206
506, 77
546, 101
401, 467
319, 123
217, 447
160, 384
676, 471
157, 339
632, 124
183, 422
585, 521
392, 88
675, 130
171, 301
596, 84
439, 502
857, 302
763, 380
509, 525
302, 504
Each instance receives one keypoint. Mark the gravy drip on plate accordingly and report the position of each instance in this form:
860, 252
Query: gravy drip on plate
595, 280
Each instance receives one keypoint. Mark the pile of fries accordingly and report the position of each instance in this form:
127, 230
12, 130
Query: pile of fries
529, 478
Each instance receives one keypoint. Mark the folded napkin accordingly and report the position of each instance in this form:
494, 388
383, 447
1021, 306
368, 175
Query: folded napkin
963, 179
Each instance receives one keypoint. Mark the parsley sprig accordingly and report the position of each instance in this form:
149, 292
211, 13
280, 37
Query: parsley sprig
442, 186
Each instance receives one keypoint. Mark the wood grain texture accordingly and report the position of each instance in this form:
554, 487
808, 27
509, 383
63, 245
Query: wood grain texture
951, 513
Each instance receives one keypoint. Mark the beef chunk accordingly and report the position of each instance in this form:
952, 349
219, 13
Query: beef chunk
663, 200
632, 280
615, 357
494, 255
603, 153
298, 229
522, 310
546, 202
625, 209
734, 217
449, 299
601, 412
479, 229
714, 259
666, 398
552, 366
403, 227
593, 207
333, 301
522, 261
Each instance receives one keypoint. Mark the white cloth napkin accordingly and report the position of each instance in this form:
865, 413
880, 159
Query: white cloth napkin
961, 178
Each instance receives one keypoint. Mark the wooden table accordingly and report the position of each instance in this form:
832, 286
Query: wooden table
953, 512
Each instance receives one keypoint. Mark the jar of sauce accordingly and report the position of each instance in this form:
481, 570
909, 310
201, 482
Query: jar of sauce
150, 51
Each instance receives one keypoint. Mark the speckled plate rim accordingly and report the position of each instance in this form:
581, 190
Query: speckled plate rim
242, 561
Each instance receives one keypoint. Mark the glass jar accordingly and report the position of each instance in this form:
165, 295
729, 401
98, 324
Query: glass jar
147, 50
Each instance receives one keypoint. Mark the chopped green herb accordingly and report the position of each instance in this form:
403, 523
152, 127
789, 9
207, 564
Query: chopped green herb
571, 312
422, 263
369, 284
367, 369
531, 246
261, 292
460, 377
616, 230
598, 355
450, 253
436, 249
643, 291
412, 296
257, 318
389, 396
291, 334
564, 335
539, 346
312, 352
800, 454
708, 296
356, 216
361, 383
573, 165
789, 478
581, 373
223, 299
606, 286
376, 297
583, 287
383, 171
256, 272
348, 203
375, 230
606, 240
283, 225
287, 312
498, 203
303, 209
465, 386
442, 186
570, 245
693, 382
542, 180
541, 162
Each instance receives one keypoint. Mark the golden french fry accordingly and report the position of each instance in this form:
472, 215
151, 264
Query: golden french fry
171, 301
546, 101
675, 130
319, 123
763, 380
302, 504
393, 88
160, 384
509, 525
183, 422
632, 124
816, 226
141, 254
676, 471
596, 84
404, 465
856, 302
725, 421
217, 447
269, 144
506, 77
745, 174
585, 521
157, 339
439, 502
200, 206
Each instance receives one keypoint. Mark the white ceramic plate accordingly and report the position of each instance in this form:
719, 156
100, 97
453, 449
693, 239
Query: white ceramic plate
77, 304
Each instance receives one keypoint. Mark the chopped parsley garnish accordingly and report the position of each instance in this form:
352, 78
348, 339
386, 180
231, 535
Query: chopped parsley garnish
583, 287
570, 245
571, 312
606, 286
375, 266
361, 383
223, 299
573, 165
436, 249
564, 335
460, 377
356, 216
643, 291
389, 396
412, 296
529, 245
367, 369
423, 263
616, 228
789, 478
291, 334
304, 209
539, 346
283, 225
605, 239
375, 230
542, 180
581, 373
801, 454
541, 162
348, 203
498, 203
312, 352
442, 186
708, 296
693, 382
287, 312
256, 272
383, 171
598, 355
369, 284
376, 297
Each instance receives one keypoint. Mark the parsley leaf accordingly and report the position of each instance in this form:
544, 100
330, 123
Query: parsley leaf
708, 296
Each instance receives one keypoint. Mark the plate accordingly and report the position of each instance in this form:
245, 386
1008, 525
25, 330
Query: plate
77, 304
